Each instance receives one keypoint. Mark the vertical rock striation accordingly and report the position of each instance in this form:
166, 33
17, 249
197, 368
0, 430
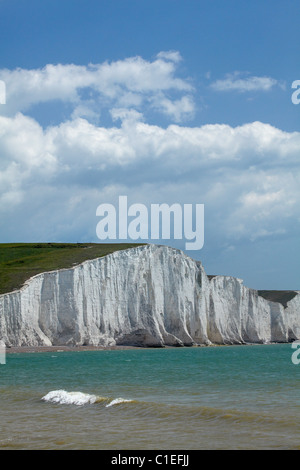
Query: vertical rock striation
149, 296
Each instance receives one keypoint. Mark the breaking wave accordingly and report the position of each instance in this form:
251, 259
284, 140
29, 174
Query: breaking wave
63, 397
173, 413
118, 401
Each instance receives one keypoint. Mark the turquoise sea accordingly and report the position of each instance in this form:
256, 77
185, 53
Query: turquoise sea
225, 397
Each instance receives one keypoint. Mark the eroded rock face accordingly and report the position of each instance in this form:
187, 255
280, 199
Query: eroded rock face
147, 296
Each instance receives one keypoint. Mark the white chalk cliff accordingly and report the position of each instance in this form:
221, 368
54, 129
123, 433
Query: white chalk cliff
149, 295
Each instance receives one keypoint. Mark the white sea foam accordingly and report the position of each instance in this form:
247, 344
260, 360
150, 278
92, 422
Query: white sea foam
70, 398
63, 397
117, 401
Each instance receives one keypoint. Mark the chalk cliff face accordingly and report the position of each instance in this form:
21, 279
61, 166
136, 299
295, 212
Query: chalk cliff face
150, 296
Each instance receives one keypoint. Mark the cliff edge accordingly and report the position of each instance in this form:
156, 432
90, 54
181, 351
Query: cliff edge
144, 296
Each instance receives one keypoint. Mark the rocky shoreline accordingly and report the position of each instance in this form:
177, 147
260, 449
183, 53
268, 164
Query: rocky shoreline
41, 349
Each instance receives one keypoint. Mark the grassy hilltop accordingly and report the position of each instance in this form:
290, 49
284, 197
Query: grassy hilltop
20, 261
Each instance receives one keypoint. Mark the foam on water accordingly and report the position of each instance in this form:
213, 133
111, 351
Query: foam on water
118, 401
63, 397
186, 397
70, 398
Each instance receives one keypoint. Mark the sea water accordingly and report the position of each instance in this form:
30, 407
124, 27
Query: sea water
225, 397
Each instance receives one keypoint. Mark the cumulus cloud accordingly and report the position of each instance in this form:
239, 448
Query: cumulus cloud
179, 109
240, 83
174, 56
131, 82
53, 179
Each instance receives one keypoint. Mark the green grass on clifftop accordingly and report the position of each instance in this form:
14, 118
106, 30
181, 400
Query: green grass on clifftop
20, 261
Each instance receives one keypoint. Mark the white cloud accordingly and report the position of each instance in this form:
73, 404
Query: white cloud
176, 109
53, 178
173, 56
236, 82
131, 82
246, 176
85, 111
266, 204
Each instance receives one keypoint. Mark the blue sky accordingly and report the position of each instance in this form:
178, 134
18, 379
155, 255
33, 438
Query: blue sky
163, 101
